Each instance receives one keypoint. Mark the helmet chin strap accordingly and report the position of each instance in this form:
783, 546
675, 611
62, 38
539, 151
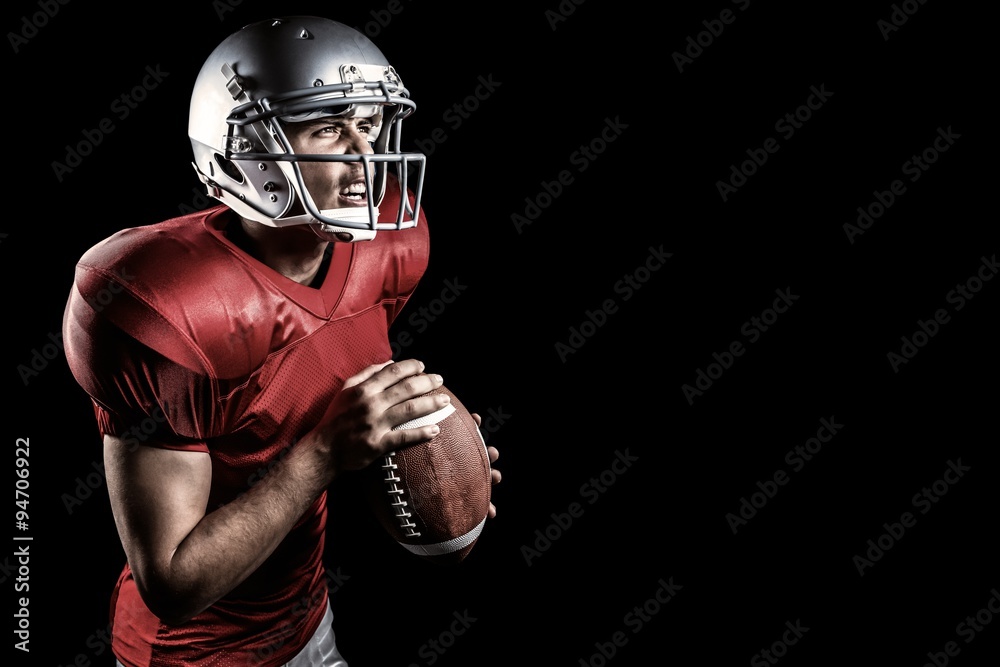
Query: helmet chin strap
343, 234
327, 232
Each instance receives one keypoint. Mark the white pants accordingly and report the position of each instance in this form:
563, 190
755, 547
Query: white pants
319, 651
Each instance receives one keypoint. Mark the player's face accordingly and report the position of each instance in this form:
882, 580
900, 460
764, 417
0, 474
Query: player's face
333, 184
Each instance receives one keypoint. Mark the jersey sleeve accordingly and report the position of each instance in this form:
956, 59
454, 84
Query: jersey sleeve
139, 393
407, 259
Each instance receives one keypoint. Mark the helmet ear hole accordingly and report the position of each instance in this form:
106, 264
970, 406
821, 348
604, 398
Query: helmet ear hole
229, 169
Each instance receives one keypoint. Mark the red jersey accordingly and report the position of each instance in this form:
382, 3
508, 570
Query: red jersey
172, 324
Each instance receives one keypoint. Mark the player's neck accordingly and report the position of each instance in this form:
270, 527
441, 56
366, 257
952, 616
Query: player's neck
294, 252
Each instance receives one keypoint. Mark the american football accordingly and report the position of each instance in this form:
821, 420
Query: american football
433, 497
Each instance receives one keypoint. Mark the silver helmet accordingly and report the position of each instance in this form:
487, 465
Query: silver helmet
286, 70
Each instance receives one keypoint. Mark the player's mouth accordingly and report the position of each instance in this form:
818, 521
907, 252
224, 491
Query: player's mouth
355, 194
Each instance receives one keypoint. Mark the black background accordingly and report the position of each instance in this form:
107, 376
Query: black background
558, 85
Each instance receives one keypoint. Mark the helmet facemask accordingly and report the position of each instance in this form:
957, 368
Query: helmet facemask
331, 222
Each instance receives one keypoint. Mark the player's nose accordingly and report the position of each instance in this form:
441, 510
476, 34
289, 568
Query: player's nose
359, 143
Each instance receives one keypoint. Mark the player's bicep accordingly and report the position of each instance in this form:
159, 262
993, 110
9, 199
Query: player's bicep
157, 496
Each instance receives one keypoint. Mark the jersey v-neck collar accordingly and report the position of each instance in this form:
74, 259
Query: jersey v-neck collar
319, 300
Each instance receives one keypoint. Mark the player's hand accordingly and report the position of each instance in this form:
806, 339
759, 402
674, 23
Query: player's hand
495, 475
358, 424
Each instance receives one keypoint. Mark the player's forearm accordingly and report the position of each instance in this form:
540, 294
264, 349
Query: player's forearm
229, 543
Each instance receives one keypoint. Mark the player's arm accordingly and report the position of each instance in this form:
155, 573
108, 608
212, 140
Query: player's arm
185, 557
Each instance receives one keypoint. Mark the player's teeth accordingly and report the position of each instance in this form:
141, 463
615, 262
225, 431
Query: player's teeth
356, 189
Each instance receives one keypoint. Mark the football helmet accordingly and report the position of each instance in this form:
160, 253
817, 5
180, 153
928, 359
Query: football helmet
287, 70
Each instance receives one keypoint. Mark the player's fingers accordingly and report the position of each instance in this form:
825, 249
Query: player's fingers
411, 387
493, 511
494, 454
396, 372
399, 438
365, 374
415, 409
495, 476
477, 418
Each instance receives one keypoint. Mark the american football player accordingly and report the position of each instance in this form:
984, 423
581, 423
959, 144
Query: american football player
243, 362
